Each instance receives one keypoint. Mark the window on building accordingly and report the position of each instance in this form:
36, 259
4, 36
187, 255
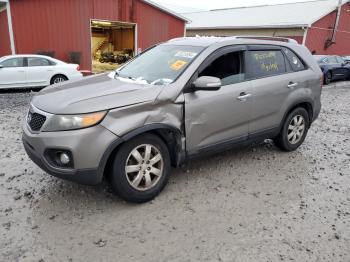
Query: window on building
13, 62
266, 63
228, 67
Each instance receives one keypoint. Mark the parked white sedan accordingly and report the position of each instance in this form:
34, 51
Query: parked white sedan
19, 71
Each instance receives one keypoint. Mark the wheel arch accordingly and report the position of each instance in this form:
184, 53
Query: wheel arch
306, 104
57, 74
171, 136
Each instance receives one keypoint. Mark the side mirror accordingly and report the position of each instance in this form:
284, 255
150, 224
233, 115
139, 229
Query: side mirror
1, 66
206, 83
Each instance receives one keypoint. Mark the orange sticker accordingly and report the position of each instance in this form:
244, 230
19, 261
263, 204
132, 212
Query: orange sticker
177, 65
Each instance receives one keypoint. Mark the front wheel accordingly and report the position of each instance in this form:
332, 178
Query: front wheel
294, 130
141, 169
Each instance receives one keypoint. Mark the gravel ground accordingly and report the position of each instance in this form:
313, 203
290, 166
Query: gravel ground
251, 204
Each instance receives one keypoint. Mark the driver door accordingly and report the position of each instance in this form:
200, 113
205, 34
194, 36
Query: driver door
221, 117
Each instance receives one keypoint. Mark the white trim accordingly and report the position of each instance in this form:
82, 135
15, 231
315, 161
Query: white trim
305, 35
136, 40
10, 28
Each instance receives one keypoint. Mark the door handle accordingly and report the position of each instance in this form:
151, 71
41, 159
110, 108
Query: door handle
292, 85
20, 71
243, 96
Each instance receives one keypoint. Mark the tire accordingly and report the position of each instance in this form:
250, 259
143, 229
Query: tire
328, 78
58, 79
132, 186
285, 140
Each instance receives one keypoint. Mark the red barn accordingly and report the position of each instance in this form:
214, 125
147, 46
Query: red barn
313, 23
82, 29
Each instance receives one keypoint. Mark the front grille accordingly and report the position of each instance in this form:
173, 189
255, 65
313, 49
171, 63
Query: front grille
35, 121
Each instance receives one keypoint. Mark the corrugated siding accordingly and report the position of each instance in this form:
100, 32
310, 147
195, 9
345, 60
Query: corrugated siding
155, 26
4, 35
64, 26
322, 30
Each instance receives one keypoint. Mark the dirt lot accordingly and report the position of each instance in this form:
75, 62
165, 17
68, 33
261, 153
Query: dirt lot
252, 204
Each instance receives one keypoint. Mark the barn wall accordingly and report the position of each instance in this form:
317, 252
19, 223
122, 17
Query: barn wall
295, 33
5, 48
154, 26
321, 30
64, 26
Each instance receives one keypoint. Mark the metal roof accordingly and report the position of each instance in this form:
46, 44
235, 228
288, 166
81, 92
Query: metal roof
289, 15
166, 10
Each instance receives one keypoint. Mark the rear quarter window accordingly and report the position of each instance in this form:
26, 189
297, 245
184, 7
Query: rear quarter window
264, 63
295, 62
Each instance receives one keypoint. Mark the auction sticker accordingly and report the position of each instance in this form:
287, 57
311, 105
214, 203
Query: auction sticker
186, 54
177, 65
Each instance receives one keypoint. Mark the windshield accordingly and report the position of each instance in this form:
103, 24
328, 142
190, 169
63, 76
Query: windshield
160, 65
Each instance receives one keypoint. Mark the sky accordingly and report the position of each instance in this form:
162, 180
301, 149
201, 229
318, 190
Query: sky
183, 6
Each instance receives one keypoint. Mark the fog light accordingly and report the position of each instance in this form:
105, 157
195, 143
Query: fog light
64, 158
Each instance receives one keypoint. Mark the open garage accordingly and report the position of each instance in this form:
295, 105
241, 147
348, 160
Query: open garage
81, 31
112, 44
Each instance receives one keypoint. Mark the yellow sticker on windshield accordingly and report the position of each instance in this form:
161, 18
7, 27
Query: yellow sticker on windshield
177, 65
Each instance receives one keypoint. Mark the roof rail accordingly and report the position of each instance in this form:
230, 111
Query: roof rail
269, 38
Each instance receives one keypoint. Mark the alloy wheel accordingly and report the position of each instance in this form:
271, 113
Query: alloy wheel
59, 80
144, 167
296, 129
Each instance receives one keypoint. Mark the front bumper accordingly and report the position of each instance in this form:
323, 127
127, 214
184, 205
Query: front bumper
88, 147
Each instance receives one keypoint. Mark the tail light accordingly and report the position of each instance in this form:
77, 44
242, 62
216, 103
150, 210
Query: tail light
322, 80
78, 68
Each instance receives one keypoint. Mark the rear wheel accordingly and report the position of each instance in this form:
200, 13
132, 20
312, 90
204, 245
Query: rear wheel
328, 78
141, 169
294, 130
58, 79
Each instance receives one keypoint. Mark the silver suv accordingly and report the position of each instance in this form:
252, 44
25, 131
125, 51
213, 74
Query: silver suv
175, 101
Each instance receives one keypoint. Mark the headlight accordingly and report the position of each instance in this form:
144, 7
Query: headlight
70, 122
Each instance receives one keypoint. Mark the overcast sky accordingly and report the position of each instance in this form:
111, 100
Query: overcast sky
194, 5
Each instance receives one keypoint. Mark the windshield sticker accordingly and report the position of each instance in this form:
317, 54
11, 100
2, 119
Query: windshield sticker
177, 65
186, 54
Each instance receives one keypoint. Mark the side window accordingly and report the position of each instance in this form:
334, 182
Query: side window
266, 63
228, 67
332, 60
340, 60
13, 62
37, 61
325, 60
294, 60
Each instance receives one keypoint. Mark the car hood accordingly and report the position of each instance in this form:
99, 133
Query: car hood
91, 94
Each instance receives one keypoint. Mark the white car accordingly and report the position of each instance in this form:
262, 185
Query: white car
19, 71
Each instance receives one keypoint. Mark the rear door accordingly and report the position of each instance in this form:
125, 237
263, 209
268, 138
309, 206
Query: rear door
273, 80
343, 67
336, 68
39, 71
219, 117
12, 73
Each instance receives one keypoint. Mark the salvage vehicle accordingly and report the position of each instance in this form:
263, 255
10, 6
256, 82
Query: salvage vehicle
176, 101
333, 68
27, 71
